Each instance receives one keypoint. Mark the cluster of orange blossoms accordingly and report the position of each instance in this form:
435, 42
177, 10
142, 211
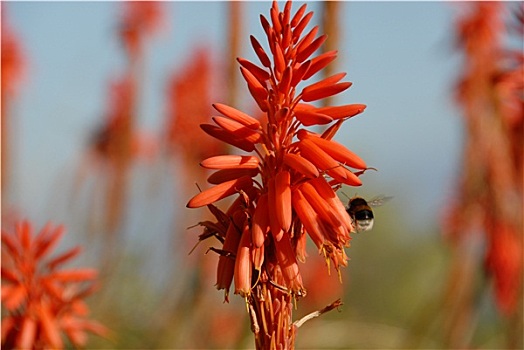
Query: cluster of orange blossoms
288, 188
41, 300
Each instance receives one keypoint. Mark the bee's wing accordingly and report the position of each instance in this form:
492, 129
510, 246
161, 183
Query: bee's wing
378, 200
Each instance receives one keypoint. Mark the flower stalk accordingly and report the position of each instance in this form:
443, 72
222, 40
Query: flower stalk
286, 189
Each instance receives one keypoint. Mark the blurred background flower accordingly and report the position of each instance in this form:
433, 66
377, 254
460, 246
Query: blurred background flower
13, 70
42, 302
484, 220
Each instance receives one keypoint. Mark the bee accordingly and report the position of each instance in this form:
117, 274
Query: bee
361, 213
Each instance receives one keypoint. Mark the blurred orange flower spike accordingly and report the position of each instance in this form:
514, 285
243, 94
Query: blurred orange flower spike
39, 299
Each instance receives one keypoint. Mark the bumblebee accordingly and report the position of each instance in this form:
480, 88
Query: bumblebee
361, 213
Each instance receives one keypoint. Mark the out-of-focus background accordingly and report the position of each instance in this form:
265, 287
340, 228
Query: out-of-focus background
75, 57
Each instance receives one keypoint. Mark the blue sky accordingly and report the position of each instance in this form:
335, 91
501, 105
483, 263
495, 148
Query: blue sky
399, 56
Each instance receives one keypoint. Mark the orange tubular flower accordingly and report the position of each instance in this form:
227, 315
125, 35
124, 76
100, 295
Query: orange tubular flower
288, 188
41, 301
